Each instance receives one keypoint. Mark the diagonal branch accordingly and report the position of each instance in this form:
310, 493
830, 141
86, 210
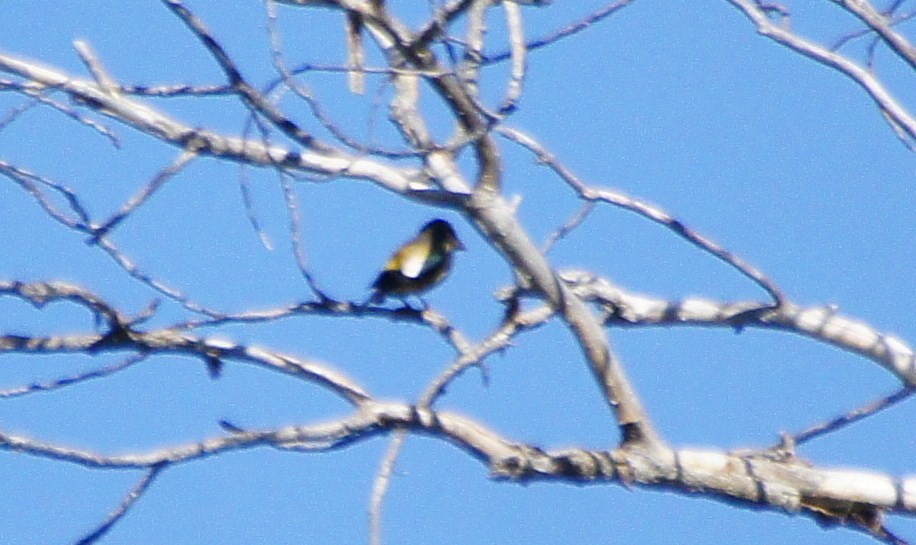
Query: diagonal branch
410, 182
115, 516
880, 23
154, 185
645, 210
565, 32
495, 217
249, 94
898, 115
78, 378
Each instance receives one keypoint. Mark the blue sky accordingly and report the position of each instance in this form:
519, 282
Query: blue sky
782, 161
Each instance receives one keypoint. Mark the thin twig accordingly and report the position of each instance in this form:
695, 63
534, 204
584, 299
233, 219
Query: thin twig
31, 183
382, 485
180, 90
569, 226
158, 181
135, 494
565, 32
16, 111
63, 382
248, 204
288, 79
876, 90
249, 94
879, 22
38, 94
645, 210
853, 416
295, 232
139, 274
472, 356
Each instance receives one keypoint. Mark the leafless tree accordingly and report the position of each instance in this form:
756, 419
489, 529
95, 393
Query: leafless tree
442, 62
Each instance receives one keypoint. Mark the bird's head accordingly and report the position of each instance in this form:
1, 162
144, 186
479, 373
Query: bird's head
443, 235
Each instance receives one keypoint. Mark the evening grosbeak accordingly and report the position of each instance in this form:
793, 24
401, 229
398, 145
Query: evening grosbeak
419, 264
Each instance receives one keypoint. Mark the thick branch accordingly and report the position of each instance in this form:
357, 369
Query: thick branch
821, 323
172, 342
495, 217
775, 480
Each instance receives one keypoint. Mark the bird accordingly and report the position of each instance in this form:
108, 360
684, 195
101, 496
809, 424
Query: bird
419, 264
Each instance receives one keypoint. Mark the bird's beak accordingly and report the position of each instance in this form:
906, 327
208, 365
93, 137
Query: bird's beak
459, 245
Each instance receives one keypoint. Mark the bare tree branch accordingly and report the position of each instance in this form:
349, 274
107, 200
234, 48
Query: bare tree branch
135, 494
204, 142
73, 379
444, 57
649, 211
899, 117
822, 323
775, 480
880, 24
